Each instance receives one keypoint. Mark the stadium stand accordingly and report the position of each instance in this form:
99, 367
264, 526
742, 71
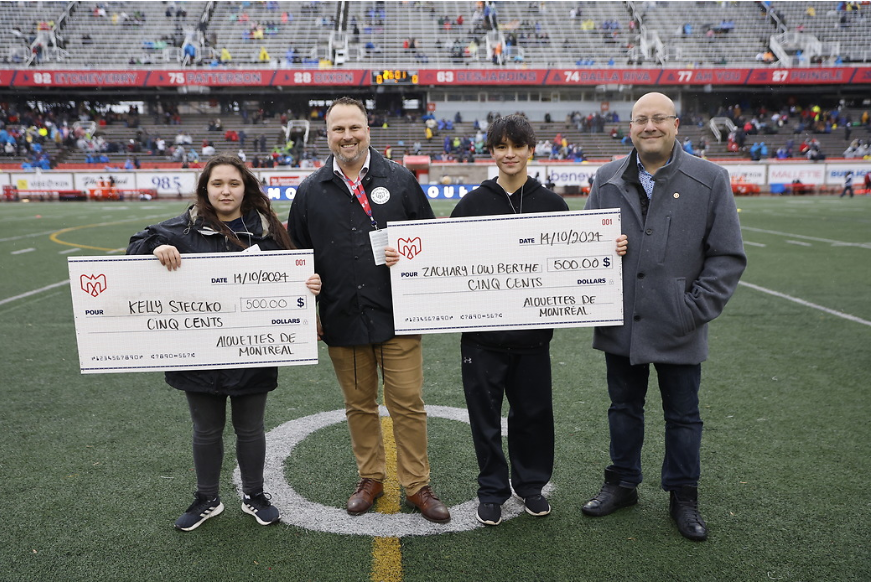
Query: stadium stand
130, 33
401, 135
25, 28
366, 36
371, 33
244, 29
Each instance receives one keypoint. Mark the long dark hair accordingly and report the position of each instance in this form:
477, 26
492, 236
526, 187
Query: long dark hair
254, 199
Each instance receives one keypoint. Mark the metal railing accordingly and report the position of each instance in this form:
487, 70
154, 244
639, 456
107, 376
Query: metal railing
715, 124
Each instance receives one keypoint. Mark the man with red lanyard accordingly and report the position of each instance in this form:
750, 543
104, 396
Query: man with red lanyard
341, 212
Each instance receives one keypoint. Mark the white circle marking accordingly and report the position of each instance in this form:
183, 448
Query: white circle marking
299, 511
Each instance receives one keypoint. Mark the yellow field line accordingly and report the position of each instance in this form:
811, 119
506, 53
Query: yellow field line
54, 236
387, 552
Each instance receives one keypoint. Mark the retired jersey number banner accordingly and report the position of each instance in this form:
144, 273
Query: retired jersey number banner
487, 273
218, 310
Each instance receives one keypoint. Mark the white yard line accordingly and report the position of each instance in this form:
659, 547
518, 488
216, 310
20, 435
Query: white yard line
812, 238
806, 303
34, 292
33, 234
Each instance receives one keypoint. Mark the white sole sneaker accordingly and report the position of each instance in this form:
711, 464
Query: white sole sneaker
543, 510
204, 516
489, 521
253, 512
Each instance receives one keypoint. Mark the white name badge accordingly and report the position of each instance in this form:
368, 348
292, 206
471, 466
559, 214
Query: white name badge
378, 238
218, 310
488, 273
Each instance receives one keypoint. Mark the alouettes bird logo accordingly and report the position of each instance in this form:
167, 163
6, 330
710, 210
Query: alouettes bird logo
409, 247
93, 285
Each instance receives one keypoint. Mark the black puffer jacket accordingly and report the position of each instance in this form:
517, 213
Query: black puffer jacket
490, 199
188, 234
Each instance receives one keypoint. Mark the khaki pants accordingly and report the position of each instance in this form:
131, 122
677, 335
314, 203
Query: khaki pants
401, 362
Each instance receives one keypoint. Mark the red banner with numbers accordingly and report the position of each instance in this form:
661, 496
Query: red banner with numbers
438, 77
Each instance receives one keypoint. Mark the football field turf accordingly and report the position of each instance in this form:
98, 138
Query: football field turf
94, 469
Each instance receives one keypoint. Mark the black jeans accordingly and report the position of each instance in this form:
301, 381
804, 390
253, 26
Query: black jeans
679, 387
525, 378
209, 413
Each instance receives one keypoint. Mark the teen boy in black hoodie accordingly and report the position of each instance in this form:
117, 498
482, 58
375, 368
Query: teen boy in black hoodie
514, 363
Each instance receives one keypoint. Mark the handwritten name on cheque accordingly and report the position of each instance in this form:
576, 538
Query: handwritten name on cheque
488, 273
219, 310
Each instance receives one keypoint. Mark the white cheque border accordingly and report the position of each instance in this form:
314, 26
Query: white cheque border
206, 277
465, 243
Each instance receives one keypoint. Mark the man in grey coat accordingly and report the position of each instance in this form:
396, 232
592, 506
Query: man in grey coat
681, 269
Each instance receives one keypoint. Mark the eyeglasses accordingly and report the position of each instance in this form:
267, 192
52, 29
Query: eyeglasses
656, 119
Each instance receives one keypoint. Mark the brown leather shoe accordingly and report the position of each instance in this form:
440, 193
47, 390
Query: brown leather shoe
368, 490
430, 506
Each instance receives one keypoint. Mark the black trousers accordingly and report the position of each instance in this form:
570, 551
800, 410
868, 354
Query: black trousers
525, 378
208, 413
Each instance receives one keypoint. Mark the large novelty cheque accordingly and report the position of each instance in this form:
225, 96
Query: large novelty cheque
218, 310
487, 273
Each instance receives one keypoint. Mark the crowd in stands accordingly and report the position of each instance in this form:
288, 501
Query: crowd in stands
800, 121
468, 34
858, 149
34, 135
135, 18
37, 137
265, 29
254, 31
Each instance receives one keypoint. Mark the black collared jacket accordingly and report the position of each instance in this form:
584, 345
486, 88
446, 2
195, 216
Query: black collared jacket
355, 303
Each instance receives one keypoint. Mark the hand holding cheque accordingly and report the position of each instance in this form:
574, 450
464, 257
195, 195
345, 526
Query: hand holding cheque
558, 269
217, 311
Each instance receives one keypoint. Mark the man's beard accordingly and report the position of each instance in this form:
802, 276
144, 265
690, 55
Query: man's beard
361, 153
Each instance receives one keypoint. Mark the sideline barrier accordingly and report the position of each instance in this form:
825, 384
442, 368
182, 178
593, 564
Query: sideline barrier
748, 178
13, 194
108, 193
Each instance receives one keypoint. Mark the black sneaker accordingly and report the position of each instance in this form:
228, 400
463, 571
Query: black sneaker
537, 505
259, 506
489, 513
200, 510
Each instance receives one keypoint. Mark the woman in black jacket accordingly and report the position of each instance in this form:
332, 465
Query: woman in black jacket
231, 214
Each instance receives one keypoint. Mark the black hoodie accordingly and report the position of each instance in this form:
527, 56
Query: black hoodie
491, 199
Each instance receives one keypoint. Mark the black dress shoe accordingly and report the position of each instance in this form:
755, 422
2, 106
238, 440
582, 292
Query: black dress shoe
684, 509
611, 497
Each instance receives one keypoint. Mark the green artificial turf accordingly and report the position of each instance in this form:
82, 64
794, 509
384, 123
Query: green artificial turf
94, 469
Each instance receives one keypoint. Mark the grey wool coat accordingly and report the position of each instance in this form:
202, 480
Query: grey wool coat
684, 258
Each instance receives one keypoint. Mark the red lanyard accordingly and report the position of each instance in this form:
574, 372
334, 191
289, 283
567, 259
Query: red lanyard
357, 188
